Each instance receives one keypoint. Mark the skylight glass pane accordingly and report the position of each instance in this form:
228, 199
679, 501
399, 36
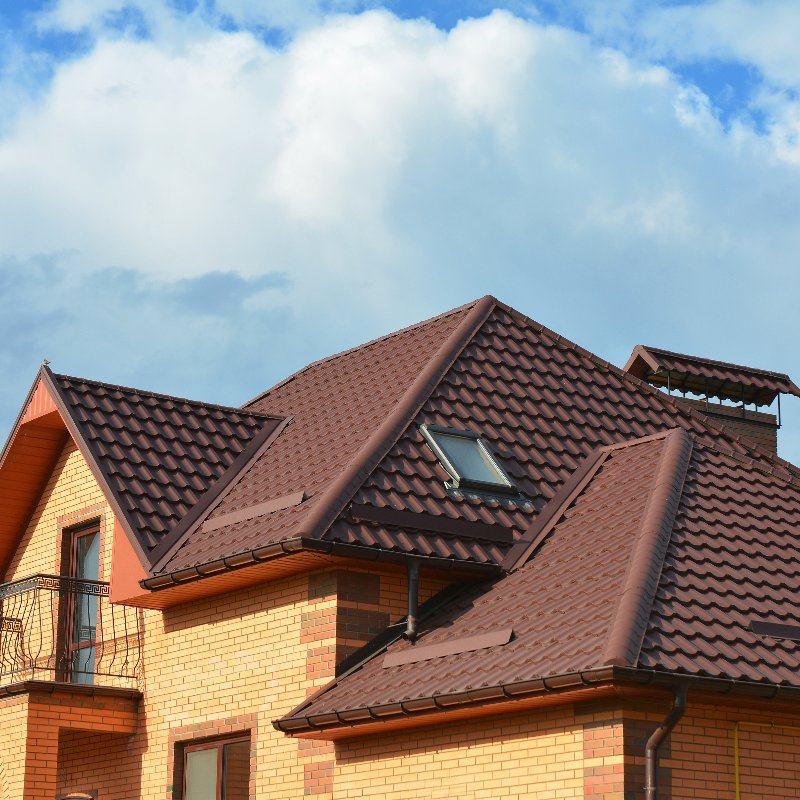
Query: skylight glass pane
469, 459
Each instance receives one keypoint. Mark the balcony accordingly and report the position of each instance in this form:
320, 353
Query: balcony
60, 629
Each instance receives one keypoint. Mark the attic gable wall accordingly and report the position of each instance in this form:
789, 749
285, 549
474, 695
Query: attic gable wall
70, 497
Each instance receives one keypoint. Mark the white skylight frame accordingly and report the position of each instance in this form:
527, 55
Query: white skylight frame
503, 484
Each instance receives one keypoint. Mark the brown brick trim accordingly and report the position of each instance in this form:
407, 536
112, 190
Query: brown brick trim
318, 778
203, 731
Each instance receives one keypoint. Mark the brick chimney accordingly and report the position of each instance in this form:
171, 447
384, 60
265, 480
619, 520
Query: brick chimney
728, 393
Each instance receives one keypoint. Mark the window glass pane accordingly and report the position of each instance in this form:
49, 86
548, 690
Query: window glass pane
236, 771
469, 459
201, 774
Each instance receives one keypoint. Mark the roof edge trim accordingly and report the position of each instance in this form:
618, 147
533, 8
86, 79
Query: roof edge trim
633, 609
341, 491
15, 427
212, 497
641, 352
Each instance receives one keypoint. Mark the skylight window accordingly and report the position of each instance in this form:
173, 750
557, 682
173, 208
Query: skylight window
467, 459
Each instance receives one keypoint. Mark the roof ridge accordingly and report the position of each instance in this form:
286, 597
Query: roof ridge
362, 346
342, 488
665, 399
636, 599
163, 396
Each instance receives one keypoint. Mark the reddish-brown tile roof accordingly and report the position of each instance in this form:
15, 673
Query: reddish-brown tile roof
734, 558
541, 402
567, 605
707, 377
339, 410
334, 453
157, 455
662, 561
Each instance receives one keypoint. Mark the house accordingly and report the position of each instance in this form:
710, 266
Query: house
466, 560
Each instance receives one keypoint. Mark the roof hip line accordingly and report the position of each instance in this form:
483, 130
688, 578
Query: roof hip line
341, 491
633, 609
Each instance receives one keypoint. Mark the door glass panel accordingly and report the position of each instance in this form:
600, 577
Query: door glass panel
236, 771
85, 605
88, 557
201, 774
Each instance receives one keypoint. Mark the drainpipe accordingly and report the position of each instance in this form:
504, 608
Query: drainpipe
413, 601
657, 738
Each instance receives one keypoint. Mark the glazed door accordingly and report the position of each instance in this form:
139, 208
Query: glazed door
84, 606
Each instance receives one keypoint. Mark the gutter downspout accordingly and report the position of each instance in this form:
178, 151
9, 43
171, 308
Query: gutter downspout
413, 601
657, 738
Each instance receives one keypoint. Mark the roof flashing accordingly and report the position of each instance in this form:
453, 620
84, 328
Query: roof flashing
468, 460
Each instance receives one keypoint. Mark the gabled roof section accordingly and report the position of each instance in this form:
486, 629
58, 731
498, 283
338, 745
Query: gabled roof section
705, 376
156, 457
26, 462
580, 601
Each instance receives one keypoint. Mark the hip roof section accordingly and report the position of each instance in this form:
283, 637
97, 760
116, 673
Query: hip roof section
540, 402
565, 603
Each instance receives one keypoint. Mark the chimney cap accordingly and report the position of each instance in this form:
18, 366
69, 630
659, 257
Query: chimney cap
704, 376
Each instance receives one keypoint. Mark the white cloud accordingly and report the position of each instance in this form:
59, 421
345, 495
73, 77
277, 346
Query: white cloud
389, 170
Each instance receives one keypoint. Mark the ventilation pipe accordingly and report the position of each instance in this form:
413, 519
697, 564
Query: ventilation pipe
657, 739
413, 601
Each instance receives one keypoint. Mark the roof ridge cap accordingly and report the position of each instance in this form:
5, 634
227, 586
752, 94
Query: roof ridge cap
665, 399
633, 609
356, 470
569, 492
368, 343
164, 396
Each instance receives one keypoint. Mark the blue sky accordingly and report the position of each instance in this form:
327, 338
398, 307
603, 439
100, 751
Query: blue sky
199, 197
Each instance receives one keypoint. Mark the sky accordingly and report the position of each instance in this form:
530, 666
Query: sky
201, 196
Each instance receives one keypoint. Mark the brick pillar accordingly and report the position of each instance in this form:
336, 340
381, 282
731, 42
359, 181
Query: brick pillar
13, 737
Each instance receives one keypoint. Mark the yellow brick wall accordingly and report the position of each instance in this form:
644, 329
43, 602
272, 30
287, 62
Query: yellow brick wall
13, 732
702, 762
71, 495
535, 755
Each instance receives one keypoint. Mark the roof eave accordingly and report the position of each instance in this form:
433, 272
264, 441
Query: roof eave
298, 544
568, 686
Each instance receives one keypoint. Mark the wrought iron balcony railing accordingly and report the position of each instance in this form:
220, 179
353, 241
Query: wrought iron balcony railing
62, 629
